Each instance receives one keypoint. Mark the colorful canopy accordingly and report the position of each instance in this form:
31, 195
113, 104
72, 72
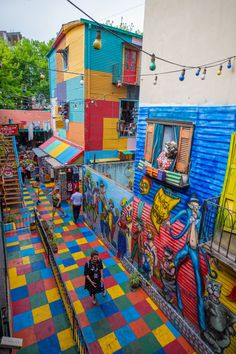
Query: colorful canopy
64, 151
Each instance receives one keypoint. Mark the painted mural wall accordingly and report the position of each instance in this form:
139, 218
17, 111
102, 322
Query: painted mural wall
108, 209
121, 172
166, 243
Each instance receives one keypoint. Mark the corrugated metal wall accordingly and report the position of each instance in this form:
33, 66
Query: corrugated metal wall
210, 147
209, 154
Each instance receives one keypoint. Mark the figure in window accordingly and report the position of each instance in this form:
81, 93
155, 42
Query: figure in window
166, 159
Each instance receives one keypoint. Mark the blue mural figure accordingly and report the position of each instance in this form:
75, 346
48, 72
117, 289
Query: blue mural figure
121, 240
138, 238
103, 210
191, 250
123, 230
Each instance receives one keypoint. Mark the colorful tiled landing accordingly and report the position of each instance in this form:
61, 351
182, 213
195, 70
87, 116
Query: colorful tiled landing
123, 321
37, 311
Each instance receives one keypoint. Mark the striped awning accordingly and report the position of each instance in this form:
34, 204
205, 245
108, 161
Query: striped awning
39, 153
64, 151
53, 162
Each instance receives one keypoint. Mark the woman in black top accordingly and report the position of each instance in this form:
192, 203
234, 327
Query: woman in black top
94, 276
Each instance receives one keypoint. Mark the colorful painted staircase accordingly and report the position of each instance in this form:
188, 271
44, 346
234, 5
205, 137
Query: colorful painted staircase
11, 184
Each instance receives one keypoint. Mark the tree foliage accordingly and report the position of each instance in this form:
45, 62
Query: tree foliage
23, 66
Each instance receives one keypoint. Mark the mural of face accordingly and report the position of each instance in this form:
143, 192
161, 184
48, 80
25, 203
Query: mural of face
145, 185
161, 208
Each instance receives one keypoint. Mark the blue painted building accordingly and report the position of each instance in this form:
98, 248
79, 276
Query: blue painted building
185, 159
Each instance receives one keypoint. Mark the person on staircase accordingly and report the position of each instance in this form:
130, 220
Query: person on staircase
56, 202
93, 272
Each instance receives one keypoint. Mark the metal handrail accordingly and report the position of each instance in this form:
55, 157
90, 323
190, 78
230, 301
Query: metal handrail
218, 228
69, 307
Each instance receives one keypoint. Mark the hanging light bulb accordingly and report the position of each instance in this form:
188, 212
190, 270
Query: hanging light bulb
155, 80
182, 75
152, 65
204, 74
97, 44
229, 64
198, 71
42, 76
219, 72
81, 81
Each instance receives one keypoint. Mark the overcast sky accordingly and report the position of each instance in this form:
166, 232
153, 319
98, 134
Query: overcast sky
42, 19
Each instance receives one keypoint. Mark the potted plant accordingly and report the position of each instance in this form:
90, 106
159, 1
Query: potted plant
134, 280
33, 226
50, 236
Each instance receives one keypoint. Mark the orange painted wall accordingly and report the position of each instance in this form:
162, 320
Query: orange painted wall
59, 61
75, 40
76, 133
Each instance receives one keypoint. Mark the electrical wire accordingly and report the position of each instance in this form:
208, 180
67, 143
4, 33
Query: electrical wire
122, 12
206, 65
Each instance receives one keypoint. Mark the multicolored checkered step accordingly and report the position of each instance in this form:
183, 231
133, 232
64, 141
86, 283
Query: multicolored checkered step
123, 321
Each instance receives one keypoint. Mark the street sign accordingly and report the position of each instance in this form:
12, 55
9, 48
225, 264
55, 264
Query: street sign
9, 129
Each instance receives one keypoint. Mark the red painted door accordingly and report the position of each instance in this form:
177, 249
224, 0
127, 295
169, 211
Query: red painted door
130, 66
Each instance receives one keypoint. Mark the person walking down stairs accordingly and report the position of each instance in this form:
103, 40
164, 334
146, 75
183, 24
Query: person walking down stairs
56, 202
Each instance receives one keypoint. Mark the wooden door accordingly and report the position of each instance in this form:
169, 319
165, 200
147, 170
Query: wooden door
130, 66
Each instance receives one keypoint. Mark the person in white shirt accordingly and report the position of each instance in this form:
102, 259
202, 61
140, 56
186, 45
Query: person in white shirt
76, 200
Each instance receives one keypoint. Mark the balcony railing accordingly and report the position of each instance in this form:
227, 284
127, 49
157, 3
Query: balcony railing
126, 129
218, 231
119, 78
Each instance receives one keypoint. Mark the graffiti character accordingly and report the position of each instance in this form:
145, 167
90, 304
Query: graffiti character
168, 274
122, 232
190, 249
145, 185
219, 319
138, 238
103, 210
95, 203
112, 219
161, 208
123, 229
150, 253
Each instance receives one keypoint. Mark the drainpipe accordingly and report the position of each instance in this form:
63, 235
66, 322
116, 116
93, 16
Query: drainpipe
88, 77
17, 161
89, 59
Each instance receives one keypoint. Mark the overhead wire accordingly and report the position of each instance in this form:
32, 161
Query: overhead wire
122, 12
205, 65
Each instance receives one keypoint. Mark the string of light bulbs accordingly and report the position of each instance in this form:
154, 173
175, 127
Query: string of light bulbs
152, 66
